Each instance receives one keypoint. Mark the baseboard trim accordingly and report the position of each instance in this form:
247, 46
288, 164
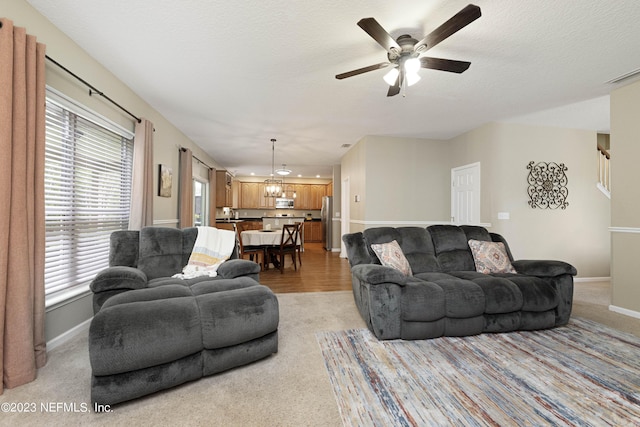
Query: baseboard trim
68, 335
591, 279
624, 311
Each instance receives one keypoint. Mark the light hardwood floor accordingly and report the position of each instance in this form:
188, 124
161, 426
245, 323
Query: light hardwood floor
321, 271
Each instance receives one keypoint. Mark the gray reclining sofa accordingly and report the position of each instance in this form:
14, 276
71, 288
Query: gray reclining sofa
151, 332
445, 295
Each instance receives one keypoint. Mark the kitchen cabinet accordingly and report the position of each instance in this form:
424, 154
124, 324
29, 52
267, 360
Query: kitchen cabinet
318, 191
250, 195
309, 196
313, 231
302, 196
329, 190
235, 194
265, 202
224, 195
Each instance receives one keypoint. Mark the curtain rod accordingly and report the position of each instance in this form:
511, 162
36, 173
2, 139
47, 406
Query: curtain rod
184, 149
93, 88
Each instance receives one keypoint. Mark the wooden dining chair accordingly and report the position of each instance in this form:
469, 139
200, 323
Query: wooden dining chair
255, 253
299, 242
287, 246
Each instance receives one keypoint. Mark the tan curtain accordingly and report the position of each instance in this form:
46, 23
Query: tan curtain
212, 196
141, 214
186, 188
22, 136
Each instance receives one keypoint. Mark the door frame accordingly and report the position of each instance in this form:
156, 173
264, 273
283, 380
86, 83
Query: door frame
344, 214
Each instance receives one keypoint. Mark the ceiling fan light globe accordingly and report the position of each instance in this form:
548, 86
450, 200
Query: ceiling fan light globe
391, 77
412, 78
412, 65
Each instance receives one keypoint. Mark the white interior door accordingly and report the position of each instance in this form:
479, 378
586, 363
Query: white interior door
465, 194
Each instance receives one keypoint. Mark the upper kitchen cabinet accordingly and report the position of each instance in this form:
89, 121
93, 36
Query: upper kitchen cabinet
302, 196
224, 192
318, 191
265, 202
250, 195
308, 196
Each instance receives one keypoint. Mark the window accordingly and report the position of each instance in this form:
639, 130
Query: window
87, 194
200, 202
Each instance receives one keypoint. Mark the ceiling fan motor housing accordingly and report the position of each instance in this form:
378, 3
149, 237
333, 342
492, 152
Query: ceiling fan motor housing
406, 43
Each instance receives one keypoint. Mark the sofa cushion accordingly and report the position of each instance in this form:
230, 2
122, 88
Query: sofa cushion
490, 257
501, 294
160, 252
463, 298
390, 255
422, 302
417, 247
537, 293
415, 243
140, 334
237, 315
451, 248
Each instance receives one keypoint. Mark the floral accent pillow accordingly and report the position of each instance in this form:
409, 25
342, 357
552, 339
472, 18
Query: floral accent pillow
490, 257
391, 255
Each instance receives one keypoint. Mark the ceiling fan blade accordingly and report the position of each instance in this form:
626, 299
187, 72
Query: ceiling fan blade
395, 89
362, 70
450, 65
379, 34
453, 25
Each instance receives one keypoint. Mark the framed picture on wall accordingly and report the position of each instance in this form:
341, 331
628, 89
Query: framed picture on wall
164, 181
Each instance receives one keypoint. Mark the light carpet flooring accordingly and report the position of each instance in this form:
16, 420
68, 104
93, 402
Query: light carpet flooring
290, 388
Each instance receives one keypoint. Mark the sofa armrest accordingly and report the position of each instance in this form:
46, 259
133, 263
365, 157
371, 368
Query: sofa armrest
119, 278
376, 274
238, 267
543, 268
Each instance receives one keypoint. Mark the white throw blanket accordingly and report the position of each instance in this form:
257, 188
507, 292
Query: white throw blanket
213, 247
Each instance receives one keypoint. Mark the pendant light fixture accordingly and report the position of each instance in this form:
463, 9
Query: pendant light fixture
273, 187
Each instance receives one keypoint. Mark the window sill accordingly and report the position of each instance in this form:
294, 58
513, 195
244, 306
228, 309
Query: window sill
65, 297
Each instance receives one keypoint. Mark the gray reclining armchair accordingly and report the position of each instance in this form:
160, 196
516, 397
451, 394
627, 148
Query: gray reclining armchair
149, 257
151, 332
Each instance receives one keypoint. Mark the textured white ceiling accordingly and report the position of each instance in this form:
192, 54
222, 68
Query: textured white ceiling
234, 74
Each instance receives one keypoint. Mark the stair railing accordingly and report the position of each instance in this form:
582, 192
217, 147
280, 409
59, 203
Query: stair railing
604, 171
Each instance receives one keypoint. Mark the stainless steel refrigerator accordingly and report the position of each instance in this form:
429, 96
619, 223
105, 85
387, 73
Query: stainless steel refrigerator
326, 215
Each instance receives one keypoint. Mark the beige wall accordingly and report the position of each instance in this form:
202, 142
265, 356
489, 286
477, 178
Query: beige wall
407, 182
625, 197
578, 234
398, 180
353, 170
167, 137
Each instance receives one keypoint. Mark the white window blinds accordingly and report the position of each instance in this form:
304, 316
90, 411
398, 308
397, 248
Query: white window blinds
87, 196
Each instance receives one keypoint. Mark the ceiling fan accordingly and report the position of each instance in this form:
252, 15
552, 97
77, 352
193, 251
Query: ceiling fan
404, 53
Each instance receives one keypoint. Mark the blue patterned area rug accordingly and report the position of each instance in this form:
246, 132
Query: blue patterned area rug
584, 374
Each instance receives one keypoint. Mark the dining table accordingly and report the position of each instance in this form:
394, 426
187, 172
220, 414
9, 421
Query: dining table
264, 238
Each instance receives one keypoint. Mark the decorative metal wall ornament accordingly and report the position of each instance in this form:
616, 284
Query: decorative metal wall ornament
547, 185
